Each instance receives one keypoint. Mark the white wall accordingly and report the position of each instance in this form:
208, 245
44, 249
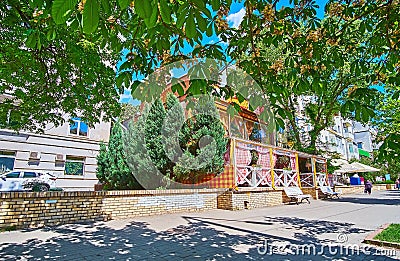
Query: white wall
58, 141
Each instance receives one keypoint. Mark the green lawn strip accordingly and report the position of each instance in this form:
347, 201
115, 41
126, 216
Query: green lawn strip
390, 234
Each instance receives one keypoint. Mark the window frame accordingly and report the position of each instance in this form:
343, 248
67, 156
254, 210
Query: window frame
75, 159
19, 175
351, 149
9, 155
78, 122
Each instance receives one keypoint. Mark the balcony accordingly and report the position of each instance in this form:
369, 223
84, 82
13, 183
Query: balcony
348, 135
347, 122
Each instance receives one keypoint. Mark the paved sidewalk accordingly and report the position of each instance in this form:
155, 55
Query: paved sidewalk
322, 230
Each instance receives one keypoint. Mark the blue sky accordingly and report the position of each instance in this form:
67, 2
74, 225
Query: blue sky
234, 18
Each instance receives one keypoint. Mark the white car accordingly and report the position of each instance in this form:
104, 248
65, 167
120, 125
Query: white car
27, 181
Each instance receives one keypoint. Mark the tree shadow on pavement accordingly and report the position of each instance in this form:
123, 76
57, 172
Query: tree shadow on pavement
200, 239
307, 231
391, 200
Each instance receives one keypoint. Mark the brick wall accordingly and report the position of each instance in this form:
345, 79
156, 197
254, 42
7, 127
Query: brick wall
118, 204
312, 191
242, 199
37, 209
360, 188
354, 189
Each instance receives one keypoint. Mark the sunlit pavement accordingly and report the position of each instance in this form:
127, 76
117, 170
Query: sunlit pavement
322, 230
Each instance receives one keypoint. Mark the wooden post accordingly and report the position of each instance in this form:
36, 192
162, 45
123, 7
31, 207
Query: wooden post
271, 162
326, 173
298, 169
314, 168
232, 155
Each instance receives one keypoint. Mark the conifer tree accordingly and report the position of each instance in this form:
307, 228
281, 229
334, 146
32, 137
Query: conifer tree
174, 131
153, 135
205, 146
113, 169
138, 156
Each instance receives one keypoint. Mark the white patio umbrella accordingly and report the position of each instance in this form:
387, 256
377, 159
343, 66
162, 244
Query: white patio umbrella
363, 168
344, 165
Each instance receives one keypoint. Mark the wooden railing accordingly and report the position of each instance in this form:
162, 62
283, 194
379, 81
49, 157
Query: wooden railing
307, 180
263, 173
285, 178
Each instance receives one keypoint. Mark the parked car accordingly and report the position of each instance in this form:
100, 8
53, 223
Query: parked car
27, 181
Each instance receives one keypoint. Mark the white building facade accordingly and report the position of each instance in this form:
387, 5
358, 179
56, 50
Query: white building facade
68, 151
364, 136
339, 138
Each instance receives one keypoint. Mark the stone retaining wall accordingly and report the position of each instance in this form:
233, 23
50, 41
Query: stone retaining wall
246, 199
350, 189
37, 209
360, 188
383, 186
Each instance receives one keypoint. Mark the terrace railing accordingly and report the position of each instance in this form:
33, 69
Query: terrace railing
307, 180
254, 166
285, 178
321, 179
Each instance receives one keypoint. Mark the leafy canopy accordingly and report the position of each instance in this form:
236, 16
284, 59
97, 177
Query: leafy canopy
354, 47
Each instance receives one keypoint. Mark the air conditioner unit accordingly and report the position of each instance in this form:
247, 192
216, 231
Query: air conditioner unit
60, 157
34, 155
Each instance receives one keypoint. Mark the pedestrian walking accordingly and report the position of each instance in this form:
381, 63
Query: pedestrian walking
368, 187
398, 184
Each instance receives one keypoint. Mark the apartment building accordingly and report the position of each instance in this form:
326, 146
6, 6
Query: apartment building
339, 138
68, 151
364, 136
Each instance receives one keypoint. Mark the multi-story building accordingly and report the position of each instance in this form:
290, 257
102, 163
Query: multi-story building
68, 151
339, 138
364, 136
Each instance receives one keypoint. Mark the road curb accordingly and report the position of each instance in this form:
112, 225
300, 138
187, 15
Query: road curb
370, 238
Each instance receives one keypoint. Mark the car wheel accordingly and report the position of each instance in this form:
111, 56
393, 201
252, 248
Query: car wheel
43, 187
40, 187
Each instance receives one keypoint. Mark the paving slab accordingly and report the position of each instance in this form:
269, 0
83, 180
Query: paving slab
322, 230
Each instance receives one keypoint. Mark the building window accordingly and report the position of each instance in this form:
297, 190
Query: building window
237, 127
359, 145
351, 148
78, 128
74, 166
7, 159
